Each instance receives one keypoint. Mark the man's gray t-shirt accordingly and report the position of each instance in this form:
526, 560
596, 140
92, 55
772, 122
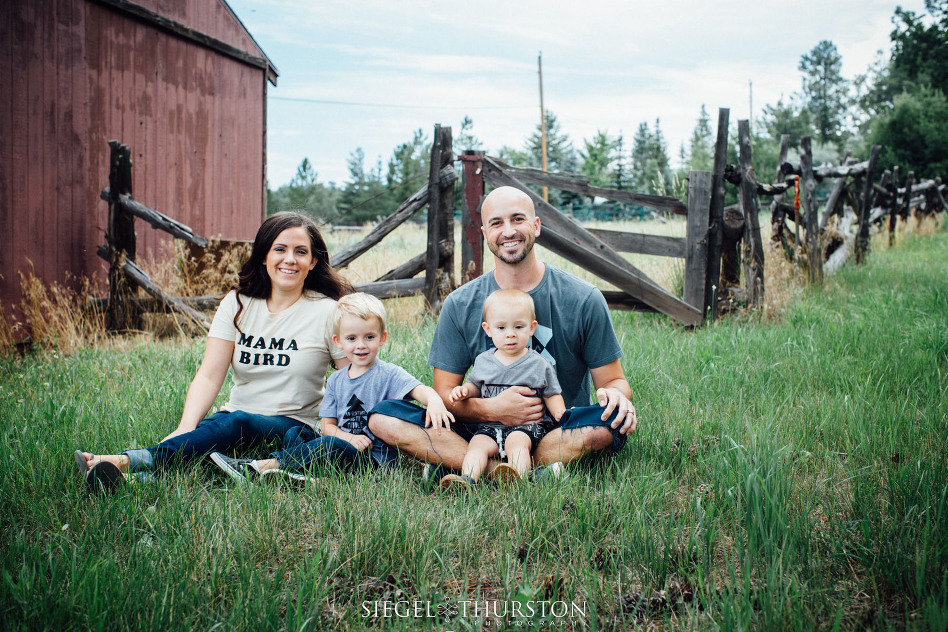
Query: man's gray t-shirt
349, 400
574, 332
492, 377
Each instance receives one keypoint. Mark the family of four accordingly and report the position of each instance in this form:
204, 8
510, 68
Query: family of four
533, 337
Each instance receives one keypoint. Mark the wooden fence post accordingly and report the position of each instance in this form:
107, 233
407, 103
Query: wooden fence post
814, 253
893, 205
753, 245
472, 241
696, 240
440, 221
862, 236
122, 313
778, 213
716, 231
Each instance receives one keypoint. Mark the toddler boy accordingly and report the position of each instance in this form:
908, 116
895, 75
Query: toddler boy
509, 320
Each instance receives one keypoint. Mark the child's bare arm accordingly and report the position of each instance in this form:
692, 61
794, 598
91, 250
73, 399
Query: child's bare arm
555, 405
436, 415
329, 427
464, 391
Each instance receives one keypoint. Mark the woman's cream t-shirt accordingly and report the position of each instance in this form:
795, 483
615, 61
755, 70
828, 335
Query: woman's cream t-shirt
280, 360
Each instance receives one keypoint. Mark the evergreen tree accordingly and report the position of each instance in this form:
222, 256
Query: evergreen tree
920, 50
304, 194
560, 156
825, 91
408, 168
701, 148
640, 157
787, 118
599, 159
619, 177
365, 197
466, 139
650, 163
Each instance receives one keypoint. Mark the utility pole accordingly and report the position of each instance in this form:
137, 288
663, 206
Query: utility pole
750, 86
546, 191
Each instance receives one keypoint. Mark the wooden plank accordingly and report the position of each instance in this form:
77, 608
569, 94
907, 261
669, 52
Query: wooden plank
580, 184
893, 206
446, 218
417, 263
753, 244
408, 208
814, 255
716, 229
641, 243
472, 240
832, 202
623, 302
778, 213
435, 199
139, 278
657, 298
394, 288
579, 245
696, 258
862, 235
155, 218
907, 195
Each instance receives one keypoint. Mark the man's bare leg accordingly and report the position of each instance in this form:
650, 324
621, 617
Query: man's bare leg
565, 446
435, 446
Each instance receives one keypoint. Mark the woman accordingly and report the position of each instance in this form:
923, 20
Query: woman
274, 329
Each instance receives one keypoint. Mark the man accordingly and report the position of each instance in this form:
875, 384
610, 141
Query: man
575, 333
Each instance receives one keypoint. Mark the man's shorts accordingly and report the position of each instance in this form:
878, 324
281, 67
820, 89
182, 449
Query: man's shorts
572, 419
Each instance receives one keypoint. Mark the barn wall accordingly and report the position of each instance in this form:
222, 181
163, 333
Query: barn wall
80, 74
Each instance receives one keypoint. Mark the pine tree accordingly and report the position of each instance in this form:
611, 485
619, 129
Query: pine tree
825, 90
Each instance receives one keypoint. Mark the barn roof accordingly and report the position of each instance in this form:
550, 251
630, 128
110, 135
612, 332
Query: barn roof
203, 28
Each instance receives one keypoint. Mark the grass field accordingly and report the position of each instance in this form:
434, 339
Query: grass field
789, 474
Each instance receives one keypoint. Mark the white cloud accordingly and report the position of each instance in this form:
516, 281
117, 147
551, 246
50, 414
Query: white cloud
607, 64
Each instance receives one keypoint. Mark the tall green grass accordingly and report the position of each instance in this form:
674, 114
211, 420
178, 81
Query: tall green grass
787, 475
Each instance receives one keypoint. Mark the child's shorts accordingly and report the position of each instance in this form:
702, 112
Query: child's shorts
500, 432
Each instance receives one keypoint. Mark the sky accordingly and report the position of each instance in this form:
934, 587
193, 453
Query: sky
368, 73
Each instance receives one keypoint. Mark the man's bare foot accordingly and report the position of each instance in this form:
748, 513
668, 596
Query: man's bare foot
118, 460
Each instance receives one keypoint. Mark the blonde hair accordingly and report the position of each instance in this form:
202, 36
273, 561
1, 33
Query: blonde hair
360, 304
510, 300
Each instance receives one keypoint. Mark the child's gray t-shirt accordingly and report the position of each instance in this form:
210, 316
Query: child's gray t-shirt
350, 400
532, 370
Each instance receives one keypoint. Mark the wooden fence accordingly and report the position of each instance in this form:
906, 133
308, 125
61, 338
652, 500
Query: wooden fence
822, 239
722, 248
124, 305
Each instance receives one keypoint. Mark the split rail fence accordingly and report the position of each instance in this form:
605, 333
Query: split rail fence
720, 242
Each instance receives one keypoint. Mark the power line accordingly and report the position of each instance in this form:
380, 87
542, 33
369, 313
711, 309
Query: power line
403, 107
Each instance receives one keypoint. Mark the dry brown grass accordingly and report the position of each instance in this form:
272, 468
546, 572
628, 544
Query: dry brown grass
183, 270
58, 316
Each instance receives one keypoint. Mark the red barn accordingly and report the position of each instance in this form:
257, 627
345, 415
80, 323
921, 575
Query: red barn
181, 82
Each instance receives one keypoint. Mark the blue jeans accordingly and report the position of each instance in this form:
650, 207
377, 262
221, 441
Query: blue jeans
221, 432
302, 448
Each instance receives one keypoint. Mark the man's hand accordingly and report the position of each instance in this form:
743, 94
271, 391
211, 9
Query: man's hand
515, 406
613, 399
